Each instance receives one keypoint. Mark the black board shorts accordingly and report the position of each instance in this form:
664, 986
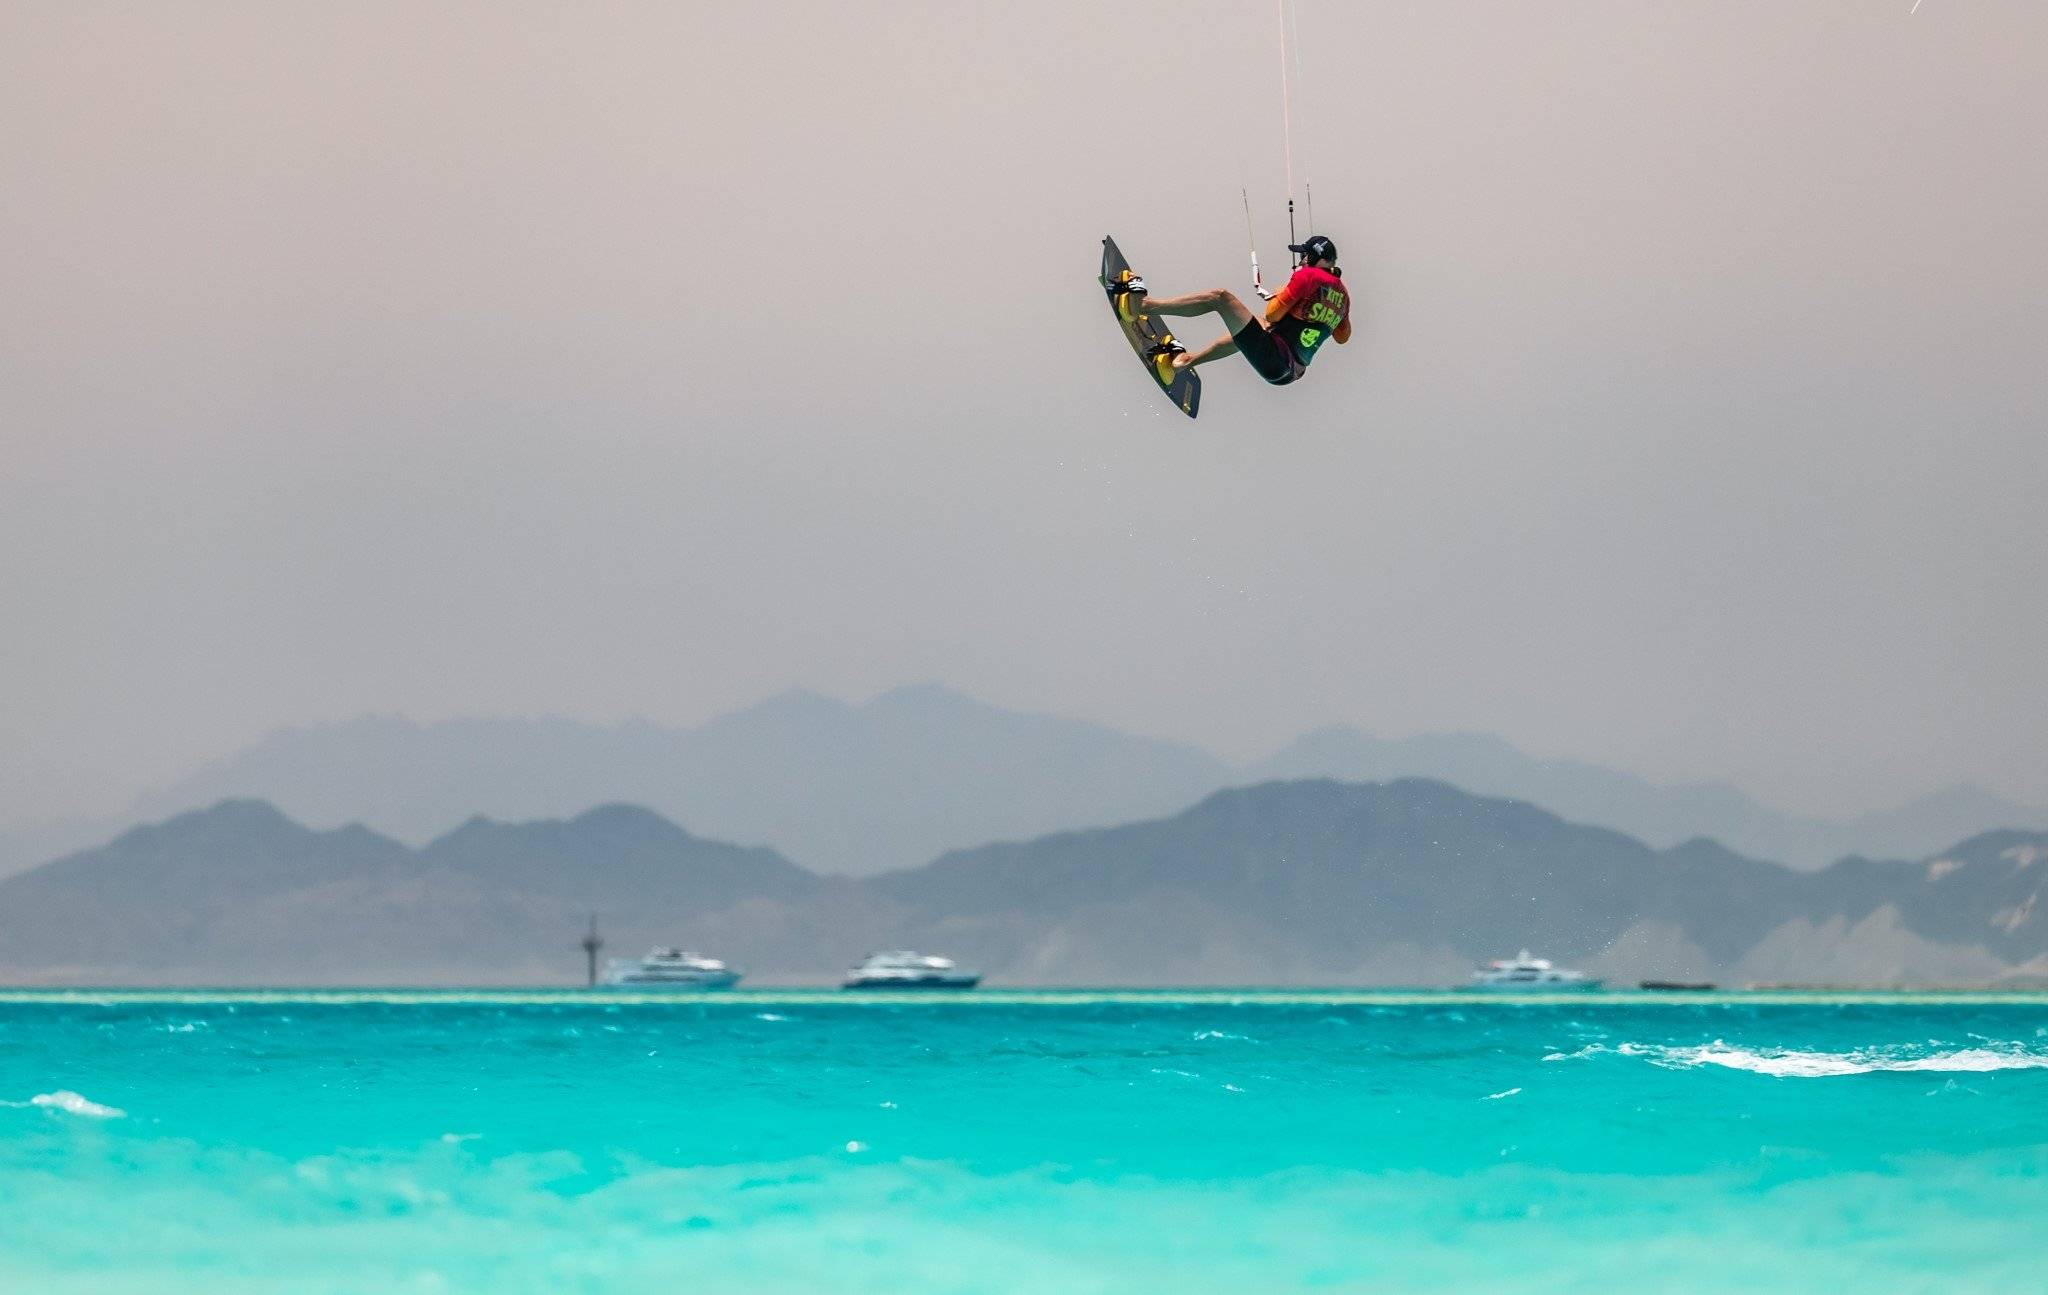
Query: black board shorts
1267, 353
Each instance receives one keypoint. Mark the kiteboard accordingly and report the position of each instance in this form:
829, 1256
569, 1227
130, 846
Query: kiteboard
1145, 332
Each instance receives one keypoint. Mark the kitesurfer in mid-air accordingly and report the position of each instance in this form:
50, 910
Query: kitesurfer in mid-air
1313, 307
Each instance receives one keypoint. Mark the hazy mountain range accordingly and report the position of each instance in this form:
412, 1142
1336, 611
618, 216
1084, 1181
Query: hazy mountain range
861, 788
1305, 882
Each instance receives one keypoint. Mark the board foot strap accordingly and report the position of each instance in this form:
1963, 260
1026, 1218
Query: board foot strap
1126, 293
1162, 355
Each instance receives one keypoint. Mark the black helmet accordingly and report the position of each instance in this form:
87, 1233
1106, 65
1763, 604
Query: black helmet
1315, 248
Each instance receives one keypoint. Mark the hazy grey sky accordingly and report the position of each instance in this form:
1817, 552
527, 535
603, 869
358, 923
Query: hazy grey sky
609, 359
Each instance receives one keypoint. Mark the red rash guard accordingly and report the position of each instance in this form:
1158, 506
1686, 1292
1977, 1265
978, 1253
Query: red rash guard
1312, 307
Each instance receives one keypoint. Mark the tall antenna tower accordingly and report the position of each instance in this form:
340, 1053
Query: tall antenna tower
592, 942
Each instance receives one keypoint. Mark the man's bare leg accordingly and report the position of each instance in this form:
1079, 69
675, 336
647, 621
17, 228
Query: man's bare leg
1215, 350
1220, 301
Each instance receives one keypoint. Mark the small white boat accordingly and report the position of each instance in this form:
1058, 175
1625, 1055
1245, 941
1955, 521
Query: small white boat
670, 969
902, 969
1525, 972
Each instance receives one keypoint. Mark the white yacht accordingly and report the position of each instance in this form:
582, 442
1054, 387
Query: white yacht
670, 969
1525, 972
902, 969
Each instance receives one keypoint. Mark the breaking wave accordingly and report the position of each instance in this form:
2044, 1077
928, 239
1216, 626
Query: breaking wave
72, 1103
1794, 1063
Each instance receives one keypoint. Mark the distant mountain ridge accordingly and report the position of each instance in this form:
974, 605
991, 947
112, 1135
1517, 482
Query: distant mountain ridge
241, 894
1661, 815
846, 788
1300, 882
860, 788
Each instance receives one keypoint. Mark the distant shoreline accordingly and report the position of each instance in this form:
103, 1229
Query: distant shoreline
1020, 996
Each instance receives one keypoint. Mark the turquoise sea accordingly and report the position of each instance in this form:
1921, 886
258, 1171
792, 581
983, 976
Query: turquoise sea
759, 1141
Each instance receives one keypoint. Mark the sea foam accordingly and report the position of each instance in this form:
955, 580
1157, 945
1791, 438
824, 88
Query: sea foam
74, 1103
1793, 1063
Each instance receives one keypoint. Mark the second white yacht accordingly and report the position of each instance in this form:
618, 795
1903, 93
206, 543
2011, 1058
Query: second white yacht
1525, 972
902, 969
670, 969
